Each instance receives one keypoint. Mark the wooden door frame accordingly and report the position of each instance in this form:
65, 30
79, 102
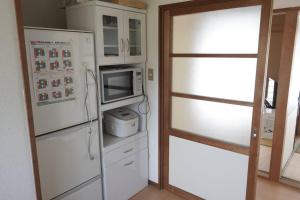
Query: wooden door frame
277, 143
166, 11
25, 76
286, 61
285, 10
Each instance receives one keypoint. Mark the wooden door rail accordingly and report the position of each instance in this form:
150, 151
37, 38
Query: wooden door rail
210, 142
212, 99
209, 5
204, 55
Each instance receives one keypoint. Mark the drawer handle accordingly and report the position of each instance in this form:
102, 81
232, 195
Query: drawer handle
129, 150
128, 164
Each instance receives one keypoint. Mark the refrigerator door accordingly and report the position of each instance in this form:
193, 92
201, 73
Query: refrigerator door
64, 159
58, 62
90, 191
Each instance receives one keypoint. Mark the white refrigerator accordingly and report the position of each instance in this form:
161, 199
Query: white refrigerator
62, 76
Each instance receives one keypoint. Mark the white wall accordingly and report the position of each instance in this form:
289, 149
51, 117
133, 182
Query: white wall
286, 3
16, 172
43, 13
152, 62
289, 137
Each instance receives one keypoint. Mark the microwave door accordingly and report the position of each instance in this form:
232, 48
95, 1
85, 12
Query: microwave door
117, 86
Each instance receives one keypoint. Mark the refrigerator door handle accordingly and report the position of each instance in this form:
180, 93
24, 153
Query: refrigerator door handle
90, 143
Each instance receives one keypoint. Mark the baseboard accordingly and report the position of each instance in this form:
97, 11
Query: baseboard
290, 183
156, 185
182, 193
262, 174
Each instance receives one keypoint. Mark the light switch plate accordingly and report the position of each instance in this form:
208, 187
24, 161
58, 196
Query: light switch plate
150, 74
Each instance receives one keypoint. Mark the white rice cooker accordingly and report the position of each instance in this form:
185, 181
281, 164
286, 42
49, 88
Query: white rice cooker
121, 122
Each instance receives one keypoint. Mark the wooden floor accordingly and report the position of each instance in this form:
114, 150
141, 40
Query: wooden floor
265, 191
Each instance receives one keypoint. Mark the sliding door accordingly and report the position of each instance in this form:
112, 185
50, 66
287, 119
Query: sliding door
213, 70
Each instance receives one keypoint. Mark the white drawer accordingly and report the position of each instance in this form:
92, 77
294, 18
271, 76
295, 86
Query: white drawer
127, 177
124, 151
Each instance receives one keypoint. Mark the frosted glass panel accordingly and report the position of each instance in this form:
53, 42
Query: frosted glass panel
213, 173
227, 78
225, 122
223, 31
110, 35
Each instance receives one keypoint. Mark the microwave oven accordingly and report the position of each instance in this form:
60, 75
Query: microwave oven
120, 83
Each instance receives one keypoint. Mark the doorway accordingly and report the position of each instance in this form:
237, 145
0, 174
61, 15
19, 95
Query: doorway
285, 156
279, 145
212, 91
271, 90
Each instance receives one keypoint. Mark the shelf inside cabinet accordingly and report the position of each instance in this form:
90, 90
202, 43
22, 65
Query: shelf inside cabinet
108, 45
125, 102
111, 142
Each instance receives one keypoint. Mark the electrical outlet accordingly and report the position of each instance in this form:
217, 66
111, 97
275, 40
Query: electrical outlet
150, 74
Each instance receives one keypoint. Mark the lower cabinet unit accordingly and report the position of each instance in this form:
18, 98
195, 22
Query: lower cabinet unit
128, 176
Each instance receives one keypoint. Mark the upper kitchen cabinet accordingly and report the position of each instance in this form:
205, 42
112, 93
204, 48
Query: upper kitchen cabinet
120, 31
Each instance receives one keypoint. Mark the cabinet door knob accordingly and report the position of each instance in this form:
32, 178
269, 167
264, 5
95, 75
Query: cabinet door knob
128, 47
122, 45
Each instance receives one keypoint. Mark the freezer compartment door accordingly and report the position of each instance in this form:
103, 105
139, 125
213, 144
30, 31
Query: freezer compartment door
90, 191
64, 160
58, 62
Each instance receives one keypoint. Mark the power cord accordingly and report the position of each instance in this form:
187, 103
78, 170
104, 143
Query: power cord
147, 105
90, 120
147, 113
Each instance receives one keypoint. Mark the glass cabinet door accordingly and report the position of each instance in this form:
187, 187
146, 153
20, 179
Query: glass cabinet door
110, 43
110, 35
135, 43
135, 38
